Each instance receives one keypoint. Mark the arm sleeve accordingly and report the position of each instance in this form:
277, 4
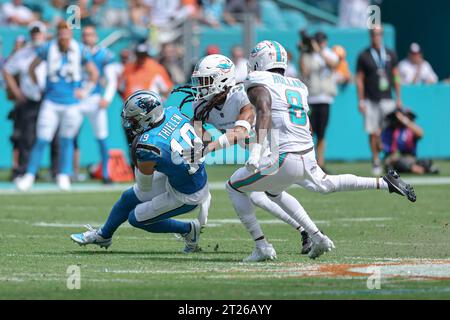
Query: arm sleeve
111, 82
12, 65
360, 65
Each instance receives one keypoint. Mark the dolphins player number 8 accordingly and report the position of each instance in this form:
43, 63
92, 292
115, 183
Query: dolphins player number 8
297, 114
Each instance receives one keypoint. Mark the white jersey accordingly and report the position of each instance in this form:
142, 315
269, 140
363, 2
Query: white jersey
289, 110
224, 117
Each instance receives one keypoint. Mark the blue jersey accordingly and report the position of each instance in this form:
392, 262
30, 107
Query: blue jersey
163, 145
101, 58
64, 70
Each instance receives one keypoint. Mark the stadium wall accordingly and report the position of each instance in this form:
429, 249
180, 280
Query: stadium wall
346, 138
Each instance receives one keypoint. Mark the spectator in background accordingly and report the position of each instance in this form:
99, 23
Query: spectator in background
377, 75
53, 12
118, 66
170, 58
415, 69
235, 11
144, 74
15, 13
317, 69
353, 13
211, 12
240, 62
65, 59
291, 70
400, 139
26, 95
212, 49
342, 71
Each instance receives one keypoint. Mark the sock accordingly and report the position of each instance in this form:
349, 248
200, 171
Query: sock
261, 242
350, 182
162, 226
261, 200
66, 158
246, 211
292, 207
119, 213
104, 152
36, 156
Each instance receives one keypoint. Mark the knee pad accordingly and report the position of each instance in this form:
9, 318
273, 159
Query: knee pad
257, 198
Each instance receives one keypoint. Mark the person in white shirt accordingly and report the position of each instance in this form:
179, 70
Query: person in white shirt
14, 13
25, 93
415, 69
237, 56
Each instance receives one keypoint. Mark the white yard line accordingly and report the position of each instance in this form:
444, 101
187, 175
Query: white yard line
47, 188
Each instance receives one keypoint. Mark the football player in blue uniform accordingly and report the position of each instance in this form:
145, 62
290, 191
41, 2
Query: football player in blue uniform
95, 106
166, 185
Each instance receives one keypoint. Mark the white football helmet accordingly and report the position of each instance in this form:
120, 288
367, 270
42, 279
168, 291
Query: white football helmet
267, 55
212, 74
141, 111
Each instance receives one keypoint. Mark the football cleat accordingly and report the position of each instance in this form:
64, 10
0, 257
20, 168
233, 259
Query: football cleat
25, 182
192, 238
264, 253
92, 236
399, 186
306, 242
63, 181
320, 247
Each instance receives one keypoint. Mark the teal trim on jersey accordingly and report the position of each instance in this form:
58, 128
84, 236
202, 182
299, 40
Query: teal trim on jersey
277, 48
260, 174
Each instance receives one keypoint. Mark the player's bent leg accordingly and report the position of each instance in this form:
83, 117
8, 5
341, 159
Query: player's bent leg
246, 212
154, 216
118, 215
261, 200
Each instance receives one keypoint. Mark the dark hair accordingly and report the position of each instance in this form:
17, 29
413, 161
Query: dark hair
278, 70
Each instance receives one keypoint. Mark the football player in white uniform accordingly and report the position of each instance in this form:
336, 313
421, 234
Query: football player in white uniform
281, 115
219, 101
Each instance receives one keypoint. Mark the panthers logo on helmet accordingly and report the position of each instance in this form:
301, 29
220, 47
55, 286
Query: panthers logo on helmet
147, 104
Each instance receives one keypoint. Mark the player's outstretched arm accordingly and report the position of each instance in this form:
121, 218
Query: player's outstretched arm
240, 131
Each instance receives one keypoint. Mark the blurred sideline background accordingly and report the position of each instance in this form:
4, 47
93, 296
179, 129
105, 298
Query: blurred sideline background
280, 20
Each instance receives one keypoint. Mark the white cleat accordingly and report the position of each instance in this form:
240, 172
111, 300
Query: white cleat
63, 181
263, 253
192, 238
91, 236
25, 182
320, 247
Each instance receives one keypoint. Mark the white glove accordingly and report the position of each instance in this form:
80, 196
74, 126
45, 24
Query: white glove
252, 163
194, 154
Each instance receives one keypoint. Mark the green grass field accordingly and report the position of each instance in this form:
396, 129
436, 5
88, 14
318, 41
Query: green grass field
368, 228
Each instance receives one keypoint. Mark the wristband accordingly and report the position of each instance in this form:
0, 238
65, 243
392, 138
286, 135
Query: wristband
243, 123
223, 141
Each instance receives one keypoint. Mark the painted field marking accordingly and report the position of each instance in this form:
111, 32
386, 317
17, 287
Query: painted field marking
7, 188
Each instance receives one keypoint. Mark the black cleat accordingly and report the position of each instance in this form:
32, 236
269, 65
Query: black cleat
399, 186
306, 242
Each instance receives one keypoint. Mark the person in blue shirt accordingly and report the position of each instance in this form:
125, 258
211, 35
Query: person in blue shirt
95, 106
166, 185
400, 138
65, 59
